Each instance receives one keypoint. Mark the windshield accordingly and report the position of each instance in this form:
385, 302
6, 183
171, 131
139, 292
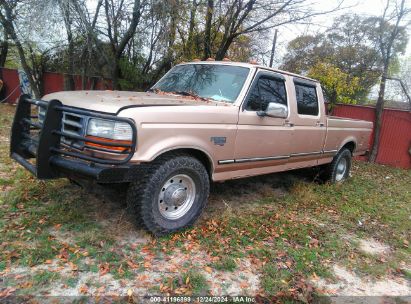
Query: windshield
218, 82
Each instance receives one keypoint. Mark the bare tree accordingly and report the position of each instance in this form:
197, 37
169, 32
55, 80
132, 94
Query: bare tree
64, 6
156, 27
239, 17
118, 40
192, 23
7, 18
4, 45
92, 43
390, 39
208, 27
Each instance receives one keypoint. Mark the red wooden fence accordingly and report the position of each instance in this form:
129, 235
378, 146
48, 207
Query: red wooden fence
11, 88
395, 141
53, 82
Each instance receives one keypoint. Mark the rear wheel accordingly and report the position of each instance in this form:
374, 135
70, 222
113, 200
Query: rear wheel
171, 194
339, 169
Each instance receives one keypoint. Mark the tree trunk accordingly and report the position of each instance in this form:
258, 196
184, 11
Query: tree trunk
207, 32
115, 74
4, 51
379, 108
70, 51
26, 67
7, 22
223, 49
190, 40
117, 46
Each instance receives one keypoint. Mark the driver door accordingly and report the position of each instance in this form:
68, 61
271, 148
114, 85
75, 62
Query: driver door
263, 141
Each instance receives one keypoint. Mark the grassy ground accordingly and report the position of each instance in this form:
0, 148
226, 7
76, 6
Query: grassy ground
273, 236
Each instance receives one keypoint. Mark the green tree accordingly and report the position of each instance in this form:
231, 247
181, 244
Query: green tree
339, 87
344, 45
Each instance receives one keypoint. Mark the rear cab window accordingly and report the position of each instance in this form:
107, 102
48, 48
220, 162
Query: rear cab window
307, 98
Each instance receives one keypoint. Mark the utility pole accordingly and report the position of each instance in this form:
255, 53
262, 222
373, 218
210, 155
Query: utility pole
273, 48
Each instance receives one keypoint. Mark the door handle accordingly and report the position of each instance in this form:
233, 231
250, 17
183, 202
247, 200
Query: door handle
287, 123
320, 124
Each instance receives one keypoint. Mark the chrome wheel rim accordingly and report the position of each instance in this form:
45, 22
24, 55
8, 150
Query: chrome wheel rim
341, 170
176, 196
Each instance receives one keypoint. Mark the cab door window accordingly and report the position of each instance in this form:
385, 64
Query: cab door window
307, 100
266, 90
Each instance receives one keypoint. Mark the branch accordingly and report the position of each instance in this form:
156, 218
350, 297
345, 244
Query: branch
403, 86
132, 28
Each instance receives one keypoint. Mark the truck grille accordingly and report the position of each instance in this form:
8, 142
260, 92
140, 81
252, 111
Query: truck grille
42, 114
73, 124
40, 136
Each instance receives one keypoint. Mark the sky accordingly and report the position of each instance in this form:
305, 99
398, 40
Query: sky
287, 33
361, 7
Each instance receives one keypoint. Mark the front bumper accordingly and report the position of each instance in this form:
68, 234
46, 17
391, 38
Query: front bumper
36, 145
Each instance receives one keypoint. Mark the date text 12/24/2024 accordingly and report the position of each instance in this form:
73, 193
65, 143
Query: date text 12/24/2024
202, 299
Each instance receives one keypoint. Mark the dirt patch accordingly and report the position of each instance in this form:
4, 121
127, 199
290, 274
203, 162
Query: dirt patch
373, 247
154, 271
4, 139
349, 284
245, 281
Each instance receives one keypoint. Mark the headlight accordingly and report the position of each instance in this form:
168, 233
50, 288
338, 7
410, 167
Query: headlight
41, 114
115, 130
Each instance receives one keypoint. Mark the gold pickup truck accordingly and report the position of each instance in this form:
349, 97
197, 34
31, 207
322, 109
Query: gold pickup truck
202, 122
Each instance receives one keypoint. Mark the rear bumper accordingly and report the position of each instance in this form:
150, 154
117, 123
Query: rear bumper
37, 146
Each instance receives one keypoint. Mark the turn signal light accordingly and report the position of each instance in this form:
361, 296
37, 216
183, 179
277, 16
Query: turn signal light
113, 148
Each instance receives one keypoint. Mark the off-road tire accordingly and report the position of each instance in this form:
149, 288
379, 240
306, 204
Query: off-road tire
330, 171
142, 195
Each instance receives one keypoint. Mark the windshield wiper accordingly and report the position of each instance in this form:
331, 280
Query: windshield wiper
194, 95
187, 93
182, 93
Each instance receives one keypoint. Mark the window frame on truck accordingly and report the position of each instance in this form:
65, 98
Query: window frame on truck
268, 74
244, 90
309, 84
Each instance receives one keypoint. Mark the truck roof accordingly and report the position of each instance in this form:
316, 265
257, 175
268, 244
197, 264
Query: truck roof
249, 65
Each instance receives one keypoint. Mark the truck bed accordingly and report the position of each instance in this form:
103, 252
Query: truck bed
343, 130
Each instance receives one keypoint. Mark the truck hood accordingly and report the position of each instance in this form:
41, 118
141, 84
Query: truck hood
114, 101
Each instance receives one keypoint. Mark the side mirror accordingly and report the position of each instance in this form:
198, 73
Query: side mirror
274, 110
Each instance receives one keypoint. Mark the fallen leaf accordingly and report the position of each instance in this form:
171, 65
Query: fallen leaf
26, 285
7, 292
314, 243
104, 268
143, 277
73, 266
101, 289
83, 289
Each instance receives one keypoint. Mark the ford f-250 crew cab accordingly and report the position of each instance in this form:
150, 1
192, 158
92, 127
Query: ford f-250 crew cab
202, 122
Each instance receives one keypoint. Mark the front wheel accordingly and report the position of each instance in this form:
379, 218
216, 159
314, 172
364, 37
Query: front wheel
171, 194
339, 169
